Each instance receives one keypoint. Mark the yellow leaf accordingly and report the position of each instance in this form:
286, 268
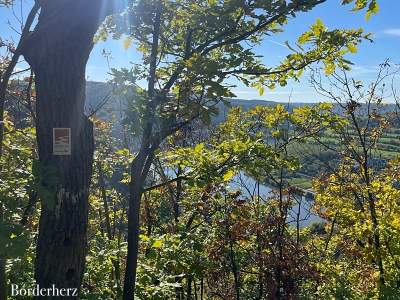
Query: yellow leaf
123, 152
228, 175
199, 148
318, 27
127, 43
125, 180
157, 244
143, 237
329, 68
352, 48
276, 133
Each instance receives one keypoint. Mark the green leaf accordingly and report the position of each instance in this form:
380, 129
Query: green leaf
261, 90
13, 240
372, 10
47, 181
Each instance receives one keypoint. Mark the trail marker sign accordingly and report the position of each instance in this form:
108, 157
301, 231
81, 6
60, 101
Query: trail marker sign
61, 141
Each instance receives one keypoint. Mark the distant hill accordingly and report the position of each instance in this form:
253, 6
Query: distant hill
100, 98
98, 92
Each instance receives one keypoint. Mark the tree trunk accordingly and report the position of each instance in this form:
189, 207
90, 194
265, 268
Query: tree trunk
133, 240
234, 269
58, 51
3, 280
139, 171
189, 288
140, 167
3, 261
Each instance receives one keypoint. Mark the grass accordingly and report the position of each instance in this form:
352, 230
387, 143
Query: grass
388, 148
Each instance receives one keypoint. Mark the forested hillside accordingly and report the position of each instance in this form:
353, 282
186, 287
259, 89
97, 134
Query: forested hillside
162, 184
314, 158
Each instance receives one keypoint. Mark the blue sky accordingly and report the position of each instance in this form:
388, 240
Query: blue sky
385, 26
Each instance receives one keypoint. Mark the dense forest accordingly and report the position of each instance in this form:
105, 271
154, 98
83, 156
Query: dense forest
162, 184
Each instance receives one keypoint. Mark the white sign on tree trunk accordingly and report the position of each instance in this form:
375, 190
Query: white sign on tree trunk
61, 141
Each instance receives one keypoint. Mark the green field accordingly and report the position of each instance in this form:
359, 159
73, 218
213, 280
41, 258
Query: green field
316, 159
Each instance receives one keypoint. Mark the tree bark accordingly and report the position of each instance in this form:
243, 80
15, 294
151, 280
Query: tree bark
140, 168
3, 280
58, 50
139, 171
3, 275
3, 261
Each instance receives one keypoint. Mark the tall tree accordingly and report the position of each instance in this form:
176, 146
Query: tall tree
352, 195
189, 49
58, 50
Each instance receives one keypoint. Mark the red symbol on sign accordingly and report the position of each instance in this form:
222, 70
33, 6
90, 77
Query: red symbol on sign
62, 141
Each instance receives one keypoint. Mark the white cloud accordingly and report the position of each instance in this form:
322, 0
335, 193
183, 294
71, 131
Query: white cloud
392, 31
361, 70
